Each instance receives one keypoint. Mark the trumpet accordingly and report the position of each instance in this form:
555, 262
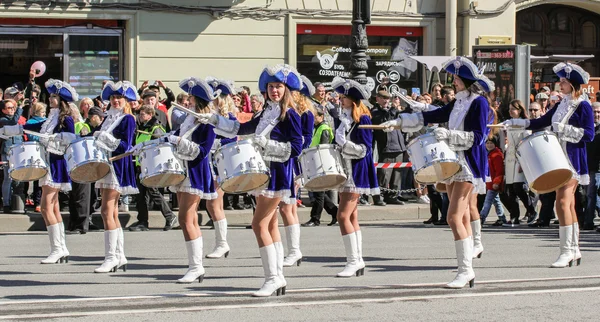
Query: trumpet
187, 110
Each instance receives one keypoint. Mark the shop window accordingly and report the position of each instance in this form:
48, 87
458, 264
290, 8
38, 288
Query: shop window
324, 52
588, 35
92, 60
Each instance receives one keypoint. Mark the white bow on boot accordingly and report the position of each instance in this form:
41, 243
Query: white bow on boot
292, 234
353, 265
576, 250
121, 250
195, 270
272, 284
464, 257
566, 256
221, 246
111, 260
56, 245
477, 245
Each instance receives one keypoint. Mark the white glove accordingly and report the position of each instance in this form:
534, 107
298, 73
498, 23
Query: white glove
558, 127
516, 123
392, 125
261, 140
137, 148
13, 130
208, 118
418, 106
173, 139
66, 138
97, 133
340, 135
441, 133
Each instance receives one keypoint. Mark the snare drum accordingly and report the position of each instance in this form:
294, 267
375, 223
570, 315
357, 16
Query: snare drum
432, 160
441, 187
240, 167
544, 163
27, 161
322, 168
86, 162
159, 167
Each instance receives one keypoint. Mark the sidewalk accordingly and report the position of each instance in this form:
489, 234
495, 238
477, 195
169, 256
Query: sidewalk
34, 221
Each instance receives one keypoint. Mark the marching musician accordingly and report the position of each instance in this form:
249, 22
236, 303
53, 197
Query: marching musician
193, 142
357, 151
116, 135
224, 106
288, 208
573, 121
467, 131
58, 130
278, 131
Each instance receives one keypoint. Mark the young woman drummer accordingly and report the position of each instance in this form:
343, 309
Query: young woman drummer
59, 128
116, 135
224, 106
278, 132
193, 142
467, 119
573, 121
357, 151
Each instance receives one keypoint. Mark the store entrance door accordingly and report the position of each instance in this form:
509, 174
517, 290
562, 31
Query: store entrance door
19, 52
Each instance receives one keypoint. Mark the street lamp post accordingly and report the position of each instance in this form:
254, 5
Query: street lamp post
361, 16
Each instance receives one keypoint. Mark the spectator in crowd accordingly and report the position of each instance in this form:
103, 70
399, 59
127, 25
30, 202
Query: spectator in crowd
10, 114
257, 101
428, 98
149, 126
543, 99
84, 106
555, 98
397, 103
177, 116
150, 98
245, 99
80, 196
390, 148
162, 104
332, 112
323, 134
593, 160
495, 186
535, 110
38, 116
436, 92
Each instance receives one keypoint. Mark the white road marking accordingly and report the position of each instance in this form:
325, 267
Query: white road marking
295, 291
296, 304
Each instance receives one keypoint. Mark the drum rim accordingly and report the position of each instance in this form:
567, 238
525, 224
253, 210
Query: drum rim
244, 141
430, 163
532, 135
84, 163
10, 171
413, 141
322, 147
328, 188
169, 172
266, 171
77, 165
156, 145
142, 177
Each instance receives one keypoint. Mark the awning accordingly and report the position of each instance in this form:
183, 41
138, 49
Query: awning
433, 63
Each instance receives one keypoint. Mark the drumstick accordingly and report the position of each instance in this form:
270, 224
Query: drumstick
148, 133
36, 133
502, 126
120, 156
373, 127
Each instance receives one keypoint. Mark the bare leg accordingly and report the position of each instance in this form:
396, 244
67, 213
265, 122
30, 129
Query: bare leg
348, 203
215, 206
261, 222
188, 215
47, 205
110, 199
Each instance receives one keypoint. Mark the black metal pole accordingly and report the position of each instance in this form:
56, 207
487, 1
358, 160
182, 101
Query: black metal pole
361, 15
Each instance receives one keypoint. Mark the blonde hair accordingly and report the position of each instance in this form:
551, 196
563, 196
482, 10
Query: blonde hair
224, 105
39, 109
75, 114
303, 104
86, 100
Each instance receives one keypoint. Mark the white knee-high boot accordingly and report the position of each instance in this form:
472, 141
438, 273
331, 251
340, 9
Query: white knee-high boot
353, 266
57, 254
292, 234
359, 247
63, 242
121, 250
464, 257
279, 249
195, 270
576, 251
268, 255
221, 246
477, 245
566, 256
111, 259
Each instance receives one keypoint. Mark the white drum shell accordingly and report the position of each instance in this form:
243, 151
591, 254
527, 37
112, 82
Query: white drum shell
544, 163
27, 161
432, 160
240, 167
159, 167
322, 168
86, 161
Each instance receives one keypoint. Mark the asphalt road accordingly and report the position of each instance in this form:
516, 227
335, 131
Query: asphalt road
407, 265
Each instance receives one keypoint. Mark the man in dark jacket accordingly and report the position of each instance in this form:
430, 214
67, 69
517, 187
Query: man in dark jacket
390, 148
593, 160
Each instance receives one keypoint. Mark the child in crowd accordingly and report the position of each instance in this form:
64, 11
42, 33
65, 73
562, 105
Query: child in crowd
496, 164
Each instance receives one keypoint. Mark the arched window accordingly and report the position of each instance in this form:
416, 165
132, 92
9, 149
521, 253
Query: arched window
531, 22
560, 22
588, 35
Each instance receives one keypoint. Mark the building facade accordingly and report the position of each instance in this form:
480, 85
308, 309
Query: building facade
86, 42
